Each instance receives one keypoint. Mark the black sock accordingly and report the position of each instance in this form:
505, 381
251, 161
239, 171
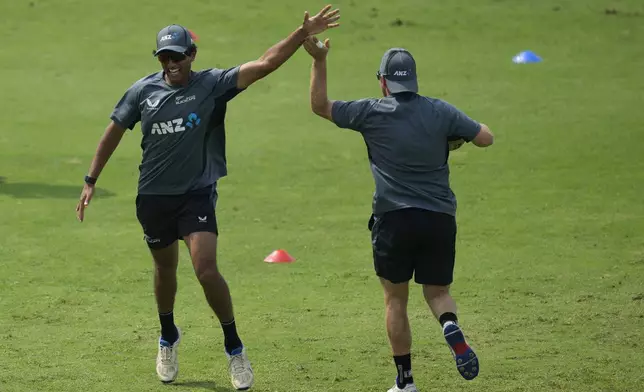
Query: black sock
448, 316
403, 367
169, 331
231, 339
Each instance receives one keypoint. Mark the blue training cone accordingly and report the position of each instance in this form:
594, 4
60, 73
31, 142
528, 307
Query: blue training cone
526, 57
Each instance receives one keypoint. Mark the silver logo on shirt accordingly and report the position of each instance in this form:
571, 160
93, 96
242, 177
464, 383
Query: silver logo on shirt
152, 104
181, 99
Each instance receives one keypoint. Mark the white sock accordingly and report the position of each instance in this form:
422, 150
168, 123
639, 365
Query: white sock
448, 323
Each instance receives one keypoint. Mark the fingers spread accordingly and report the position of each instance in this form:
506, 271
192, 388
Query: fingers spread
333, 19
333, 13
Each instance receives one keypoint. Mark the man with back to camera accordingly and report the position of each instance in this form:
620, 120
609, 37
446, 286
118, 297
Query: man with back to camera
182, 121
413, 225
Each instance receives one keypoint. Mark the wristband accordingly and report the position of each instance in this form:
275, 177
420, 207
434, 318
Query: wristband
90, 180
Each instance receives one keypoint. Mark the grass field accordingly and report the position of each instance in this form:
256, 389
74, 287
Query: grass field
550, 266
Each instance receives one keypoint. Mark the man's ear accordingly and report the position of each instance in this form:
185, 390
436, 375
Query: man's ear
383, 86
193, 55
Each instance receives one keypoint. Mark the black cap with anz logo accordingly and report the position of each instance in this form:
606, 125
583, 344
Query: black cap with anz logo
398, 67
174, 38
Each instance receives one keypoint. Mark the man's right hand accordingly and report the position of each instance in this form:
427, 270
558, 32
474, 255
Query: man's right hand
86, 196
322, 21
316, 48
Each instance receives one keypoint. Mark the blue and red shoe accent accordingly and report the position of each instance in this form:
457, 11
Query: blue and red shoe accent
466, 361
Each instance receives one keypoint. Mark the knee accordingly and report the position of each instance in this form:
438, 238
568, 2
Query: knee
165, 270
207, 272
432, 292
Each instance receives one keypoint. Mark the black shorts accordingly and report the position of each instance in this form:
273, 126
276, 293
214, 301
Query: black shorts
167, 218
415, 242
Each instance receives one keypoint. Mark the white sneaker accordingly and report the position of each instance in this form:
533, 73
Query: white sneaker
407, 388
167, 361
241, 373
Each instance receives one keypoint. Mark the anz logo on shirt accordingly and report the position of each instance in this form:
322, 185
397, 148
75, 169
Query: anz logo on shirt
175, 126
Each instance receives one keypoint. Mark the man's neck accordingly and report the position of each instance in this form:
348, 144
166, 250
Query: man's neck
181, 84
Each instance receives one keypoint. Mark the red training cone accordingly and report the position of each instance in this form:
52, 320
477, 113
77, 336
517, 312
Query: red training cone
279, 256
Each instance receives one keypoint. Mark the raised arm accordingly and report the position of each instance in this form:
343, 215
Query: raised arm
279, 53
320, 103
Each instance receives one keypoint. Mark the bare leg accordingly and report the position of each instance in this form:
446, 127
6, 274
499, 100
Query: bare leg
439, 300
398, 330
396, 296
165, 276
203, 251
443, 307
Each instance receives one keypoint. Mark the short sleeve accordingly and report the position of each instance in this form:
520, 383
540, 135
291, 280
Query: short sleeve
126, 113
460, 125
351, 114
224, 83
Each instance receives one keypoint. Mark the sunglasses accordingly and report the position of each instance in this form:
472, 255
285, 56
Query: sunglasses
176, 57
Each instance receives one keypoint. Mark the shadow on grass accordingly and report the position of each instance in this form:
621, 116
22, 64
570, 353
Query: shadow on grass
207, 385
32, 190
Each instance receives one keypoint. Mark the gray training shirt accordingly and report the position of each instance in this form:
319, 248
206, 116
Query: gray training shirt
406, 139
184, 142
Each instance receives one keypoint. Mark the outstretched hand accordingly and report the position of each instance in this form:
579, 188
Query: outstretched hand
316, 48
320, 22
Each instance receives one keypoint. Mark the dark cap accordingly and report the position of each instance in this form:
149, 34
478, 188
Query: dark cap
399, 70
174, 38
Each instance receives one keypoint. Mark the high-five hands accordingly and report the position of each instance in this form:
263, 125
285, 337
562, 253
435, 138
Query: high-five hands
316, 48
320, 22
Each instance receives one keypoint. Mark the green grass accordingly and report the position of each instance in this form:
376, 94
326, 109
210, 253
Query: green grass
550, 253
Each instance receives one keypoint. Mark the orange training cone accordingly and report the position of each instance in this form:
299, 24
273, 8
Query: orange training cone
279, 256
